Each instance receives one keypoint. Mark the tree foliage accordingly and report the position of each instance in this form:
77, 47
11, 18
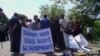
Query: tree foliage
44, 9
52, 11
60, 1
89, 7
85, 10
75, 14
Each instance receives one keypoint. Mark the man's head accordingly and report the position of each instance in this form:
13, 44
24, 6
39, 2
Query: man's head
22, 18
35, 17
16, 14
45, 16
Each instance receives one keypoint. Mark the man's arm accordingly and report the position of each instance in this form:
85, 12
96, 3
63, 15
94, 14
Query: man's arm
14, 27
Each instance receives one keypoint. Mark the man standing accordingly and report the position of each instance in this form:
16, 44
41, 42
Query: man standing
63, 25
15, 34
45, 23
36, 24
3, 23
89, 33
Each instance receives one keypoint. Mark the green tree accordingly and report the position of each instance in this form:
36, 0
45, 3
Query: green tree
75, 14
52, 10
44, 9
89, 7
86, 10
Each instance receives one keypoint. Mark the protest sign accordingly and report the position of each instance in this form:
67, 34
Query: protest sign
81, 40
70, 41
39, 41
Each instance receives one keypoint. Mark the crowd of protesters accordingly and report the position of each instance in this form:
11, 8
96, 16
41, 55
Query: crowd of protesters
58, 27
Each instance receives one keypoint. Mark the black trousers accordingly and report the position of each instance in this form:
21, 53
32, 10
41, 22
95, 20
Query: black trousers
58, 39
89, 37
61, 42
2, 36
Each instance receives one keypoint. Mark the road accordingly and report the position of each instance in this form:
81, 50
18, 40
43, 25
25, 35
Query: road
6, 51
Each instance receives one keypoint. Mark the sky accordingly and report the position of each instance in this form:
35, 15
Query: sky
27, 7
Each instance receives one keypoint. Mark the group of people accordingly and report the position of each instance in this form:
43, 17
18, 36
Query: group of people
58, 26
18, 21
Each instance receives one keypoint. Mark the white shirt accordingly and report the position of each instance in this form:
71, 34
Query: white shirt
62, 22
89, 29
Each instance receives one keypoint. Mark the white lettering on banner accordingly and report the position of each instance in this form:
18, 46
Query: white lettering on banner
36, 41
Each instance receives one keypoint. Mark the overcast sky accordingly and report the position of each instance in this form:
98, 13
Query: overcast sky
27, 7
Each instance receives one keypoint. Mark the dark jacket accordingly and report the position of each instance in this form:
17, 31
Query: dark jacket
15, 35
45, 23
